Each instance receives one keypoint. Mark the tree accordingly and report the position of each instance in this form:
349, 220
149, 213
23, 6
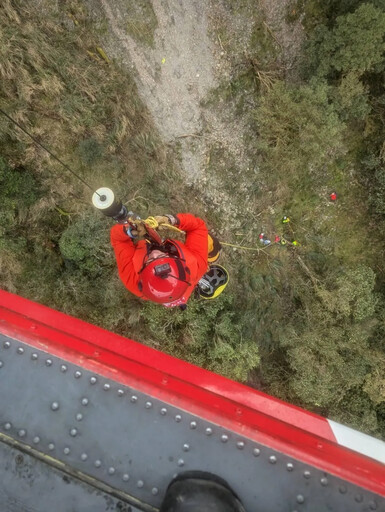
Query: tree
355, 44
298, 130
329, 353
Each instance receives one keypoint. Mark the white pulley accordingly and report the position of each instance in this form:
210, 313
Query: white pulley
104, 200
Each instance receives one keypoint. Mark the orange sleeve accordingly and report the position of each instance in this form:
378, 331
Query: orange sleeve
124, 249
196, 238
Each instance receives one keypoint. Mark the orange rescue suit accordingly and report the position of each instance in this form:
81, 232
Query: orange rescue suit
130, 255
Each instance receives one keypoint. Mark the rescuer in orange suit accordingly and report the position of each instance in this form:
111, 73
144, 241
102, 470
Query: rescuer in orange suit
166, 273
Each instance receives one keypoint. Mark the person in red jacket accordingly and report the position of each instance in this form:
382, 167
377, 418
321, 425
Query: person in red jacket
166, 273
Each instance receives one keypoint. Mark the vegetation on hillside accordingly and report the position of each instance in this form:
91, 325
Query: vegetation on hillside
316, 309
305, 323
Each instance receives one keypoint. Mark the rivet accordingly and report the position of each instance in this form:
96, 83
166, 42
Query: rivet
358, 498
77, 374
193, 425
186, 447
289, 466
163, 411
342, 489
134, 399
73, 432
256, 452
84, 401
7, 344
272, 459
111, 470
154, 491
120, 392
140, 484
20, 350
83, 456
51, 446
178, 418
180, 462
63, 368
372, 505
7, 426
148, 405
48, 362
22, 432
79, 417
307, 474
300, 498
66, 450
106, 386
1, 364
224, 438
208, 431
240, 445
324, 481
98, 463
36, 439
55, 406
93, 380
34, 356
125, 477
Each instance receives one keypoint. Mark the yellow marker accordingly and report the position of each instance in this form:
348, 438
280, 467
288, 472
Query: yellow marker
163, 60
102, 53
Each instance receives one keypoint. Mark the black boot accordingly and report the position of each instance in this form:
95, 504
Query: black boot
197, 491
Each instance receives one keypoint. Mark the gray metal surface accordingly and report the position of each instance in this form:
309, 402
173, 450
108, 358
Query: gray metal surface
137, 444
30, 485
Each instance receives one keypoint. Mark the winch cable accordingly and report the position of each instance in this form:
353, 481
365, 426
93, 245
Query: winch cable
150, 221
48, 151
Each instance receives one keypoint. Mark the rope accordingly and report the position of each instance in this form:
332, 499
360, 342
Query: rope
150, 221
241, 247
153, 223
48, 151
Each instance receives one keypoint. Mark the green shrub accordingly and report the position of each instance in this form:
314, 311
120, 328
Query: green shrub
19, 190
90, 150
207, 333
85, 245
354, 44
298, 130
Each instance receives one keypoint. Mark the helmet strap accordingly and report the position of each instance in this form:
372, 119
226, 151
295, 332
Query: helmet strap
179, 279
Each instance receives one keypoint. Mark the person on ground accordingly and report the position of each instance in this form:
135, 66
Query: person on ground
165, 273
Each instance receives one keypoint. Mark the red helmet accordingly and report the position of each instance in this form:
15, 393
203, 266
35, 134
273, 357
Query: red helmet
164, 279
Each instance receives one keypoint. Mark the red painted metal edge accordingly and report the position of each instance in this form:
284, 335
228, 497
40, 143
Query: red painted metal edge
264, 419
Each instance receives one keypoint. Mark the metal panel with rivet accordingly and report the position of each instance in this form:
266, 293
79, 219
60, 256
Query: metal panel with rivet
124, 419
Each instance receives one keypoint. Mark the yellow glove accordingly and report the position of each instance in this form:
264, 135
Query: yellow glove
166, 219
162, 219
136, 228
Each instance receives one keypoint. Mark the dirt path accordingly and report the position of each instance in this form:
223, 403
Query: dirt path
174, 75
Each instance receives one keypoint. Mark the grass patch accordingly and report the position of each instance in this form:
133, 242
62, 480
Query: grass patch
141, 22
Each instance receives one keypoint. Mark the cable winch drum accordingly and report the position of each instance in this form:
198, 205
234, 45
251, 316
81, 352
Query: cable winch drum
104, 200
